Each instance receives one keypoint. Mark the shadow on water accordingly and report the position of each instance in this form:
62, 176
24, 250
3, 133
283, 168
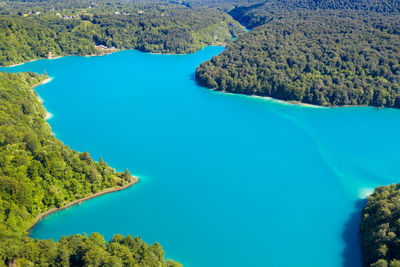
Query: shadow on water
352, 251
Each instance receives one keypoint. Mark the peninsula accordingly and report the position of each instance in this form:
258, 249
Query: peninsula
40, 175
46, 213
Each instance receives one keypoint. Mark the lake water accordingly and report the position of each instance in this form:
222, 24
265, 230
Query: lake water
226, 180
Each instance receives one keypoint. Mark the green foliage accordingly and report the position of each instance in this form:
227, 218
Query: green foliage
380, 227
78, 250
24, 39
71, 28
262, 12
224, 5
38, 172
325, 58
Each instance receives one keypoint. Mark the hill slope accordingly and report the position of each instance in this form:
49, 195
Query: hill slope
317, 59
326, 53
67, 28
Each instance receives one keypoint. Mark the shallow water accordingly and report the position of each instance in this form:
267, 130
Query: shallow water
226, 180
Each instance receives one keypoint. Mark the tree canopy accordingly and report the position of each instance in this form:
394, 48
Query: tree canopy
31, 30
317, 52
39, 172
380, 227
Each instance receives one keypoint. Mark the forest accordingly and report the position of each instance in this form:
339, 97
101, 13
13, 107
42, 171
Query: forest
260, 12
39, 172
380, 227
326, 52
32, 30
336, 56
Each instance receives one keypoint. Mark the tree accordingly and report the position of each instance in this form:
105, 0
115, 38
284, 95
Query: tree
127, 177
86, 157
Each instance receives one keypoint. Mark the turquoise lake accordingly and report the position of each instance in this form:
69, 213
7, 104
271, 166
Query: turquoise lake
226, 180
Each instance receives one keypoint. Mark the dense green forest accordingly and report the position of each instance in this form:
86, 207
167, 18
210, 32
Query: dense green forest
225, 5
380, 228
39, 172
321, 59
324, 52
256, 14
44, 30
338, 55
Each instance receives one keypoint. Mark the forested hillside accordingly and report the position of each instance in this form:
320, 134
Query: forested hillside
45, 30
380, 228
253, 15
317, 59
317, 52
225, 5
38, 172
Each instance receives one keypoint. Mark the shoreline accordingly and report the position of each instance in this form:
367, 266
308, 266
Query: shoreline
89, 55
44, 214
48, 116
49, 79
57, 57
19, 64
109, 53
284, 102
32, 60
289, 102
298, 103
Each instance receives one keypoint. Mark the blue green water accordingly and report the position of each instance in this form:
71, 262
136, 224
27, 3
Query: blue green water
226, 180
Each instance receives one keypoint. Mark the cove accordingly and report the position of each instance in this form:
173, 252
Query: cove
226, 180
